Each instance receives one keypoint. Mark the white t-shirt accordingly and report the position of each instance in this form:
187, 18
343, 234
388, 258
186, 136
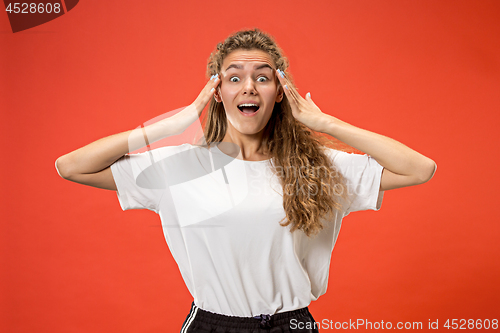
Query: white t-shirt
220, 217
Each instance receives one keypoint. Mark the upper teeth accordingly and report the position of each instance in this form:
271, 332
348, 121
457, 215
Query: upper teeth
245, 105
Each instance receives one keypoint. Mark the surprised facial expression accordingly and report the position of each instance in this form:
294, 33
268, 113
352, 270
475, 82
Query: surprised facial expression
248, 90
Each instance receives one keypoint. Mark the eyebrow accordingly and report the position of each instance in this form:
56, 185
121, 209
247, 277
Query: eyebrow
241, 67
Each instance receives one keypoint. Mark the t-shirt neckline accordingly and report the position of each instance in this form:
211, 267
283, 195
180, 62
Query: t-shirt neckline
216, 146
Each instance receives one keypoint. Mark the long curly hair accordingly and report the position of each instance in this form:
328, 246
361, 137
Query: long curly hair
312, 186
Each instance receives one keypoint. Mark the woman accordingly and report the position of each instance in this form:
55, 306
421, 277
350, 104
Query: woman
252, 214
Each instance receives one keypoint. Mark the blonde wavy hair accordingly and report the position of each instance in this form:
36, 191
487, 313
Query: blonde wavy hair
297, 153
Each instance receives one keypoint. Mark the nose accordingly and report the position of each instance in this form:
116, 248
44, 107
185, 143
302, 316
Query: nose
249, 87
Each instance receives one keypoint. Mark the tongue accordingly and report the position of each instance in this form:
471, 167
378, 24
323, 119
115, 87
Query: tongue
248, 110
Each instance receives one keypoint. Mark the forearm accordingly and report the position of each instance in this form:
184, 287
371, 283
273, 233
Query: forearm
391, 154
100, 154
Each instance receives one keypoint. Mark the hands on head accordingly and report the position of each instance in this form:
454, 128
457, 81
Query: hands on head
206, 94
303, 109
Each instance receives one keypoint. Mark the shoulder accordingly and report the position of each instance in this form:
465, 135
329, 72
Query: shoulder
142, 160
160, 153
353, 163
336, 155
170, 150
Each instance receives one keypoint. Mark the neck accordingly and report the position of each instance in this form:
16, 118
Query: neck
251, 146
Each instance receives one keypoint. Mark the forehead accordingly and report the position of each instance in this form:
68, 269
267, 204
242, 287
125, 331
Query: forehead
245, 57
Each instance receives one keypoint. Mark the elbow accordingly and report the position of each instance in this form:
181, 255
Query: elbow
61, 168
427, 171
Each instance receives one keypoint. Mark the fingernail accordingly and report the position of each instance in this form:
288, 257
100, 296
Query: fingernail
286, 87
309, 94
216, 76
211, 90
212, 77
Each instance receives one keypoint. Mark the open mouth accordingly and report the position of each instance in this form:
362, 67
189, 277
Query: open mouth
248, 108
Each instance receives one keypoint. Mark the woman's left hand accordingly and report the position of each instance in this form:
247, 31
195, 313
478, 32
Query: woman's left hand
303, 109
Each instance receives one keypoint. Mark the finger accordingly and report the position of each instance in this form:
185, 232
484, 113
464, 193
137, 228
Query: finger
207, 92
210, 87
309, 99
281, 78
287, 87
213, 83
293, 93
296, 95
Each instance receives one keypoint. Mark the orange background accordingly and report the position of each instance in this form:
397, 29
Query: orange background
426, 73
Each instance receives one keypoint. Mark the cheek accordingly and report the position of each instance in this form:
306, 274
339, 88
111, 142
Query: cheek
227, 93
269, 93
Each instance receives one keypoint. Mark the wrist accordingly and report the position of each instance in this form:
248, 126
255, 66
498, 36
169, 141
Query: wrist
179, 122
327, 124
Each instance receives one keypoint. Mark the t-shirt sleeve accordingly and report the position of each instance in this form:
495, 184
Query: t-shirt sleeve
363, 175
141, 178
132, 190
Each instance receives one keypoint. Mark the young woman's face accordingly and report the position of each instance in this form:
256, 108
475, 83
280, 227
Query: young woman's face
248, 90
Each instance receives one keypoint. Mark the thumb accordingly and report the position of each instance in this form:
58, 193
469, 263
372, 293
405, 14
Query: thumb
308, 97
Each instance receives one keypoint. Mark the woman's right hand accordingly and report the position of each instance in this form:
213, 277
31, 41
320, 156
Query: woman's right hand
179, 122
89, 165
206, 94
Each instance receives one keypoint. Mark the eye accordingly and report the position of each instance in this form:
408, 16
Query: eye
234, 79
262, 79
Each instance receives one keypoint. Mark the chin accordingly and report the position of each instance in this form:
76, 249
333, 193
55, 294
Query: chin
247, 131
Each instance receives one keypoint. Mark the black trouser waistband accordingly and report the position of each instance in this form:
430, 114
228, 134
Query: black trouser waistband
261, 321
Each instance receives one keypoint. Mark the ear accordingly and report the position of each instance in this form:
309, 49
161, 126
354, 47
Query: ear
279, 96
217, 95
